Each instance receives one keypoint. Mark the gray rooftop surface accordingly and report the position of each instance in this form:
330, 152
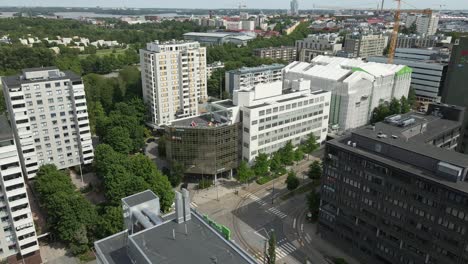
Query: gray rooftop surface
139, 198
200, 245
5, 129
16, 80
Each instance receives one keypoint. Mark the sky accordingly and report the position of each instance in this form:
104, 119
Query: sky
254, 4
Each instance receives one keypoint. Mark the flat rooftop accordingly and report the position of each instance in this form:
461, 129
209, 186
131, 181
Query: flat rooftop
202, 121
17, 80
139, 198
201, 244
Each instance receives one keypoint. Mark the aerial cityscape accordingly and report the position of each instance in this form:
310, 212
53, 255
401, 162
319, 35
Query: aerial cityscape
282, 131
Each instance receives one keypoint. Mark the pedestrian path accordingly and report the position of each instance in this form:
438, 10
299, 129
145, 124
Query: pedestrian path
277, 212
254, 198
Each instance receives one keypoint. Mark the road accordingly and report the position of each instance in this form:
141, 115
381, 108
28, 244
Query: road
256, 210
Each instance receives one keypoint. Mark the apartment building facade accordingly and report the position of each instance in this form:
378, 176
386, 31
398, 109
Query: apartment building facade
49, 118
389, 195
326, 42
251, 76
272, 115
422, 41
363, 46
173, 79
17, 232
287, 54
357, 87
425, 23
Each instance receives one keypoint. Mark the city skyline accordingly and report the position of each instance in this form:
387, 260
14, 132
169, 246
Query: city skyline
227, 4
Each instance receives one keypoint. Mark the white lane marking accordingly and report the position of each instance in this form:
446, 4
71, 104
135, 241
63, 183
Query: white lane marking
308, 239
193, 204
277, 212
302, 227
294, 223
284, 250
256, 199
258, 233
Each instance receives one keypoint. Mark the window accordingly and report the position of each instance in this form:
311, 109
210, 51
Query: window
50, 100
246, 130
27, 95
47, 85
52, 108
261, 113
57, 84
59, 91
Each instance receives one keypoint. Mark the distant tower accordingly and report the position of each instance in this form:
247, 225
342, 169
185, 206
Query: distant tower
294, 7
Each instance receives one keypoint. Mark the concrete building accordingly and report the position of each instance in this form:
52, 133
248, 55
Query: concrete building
455, 91
294, 7
208, 144
49, 118
429, 71
234, 25
272, 115
210, 68
287, 54
173, 79
248, 77
181, 237
248, 25
357, 87
392, 194
425, 24
318, 44
363, 46
421, 41
18, 238
218, 38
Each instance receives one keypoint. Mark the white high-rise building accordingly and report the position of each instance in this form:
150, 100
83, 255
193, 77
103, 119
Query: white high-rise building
357, 87
17, 234
425, 24
294, 7
274, 115
174, 79
49, 118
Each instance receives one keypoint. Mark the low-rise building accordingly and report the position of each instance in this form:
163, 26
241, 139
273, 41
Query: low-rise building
287, 54
272, 115
181, 237
357, 87
248, 77
218, 38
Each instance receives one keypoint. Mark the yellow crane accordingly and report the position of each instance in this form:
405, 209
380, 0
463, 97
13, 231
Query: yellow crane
396, 27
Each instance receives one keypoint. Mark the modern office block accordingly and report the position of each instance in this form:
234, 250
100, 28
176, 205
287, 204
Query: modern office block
357, 87
181, 237
287, 54
396, 192
363, 46
49, 117
425, 24
18, 238
455, 90
208, 144
174, 79
272, 115
429, 73
248, 77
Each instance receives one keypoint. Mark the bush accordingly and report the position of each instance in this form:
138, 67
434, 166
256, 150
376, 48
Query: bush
205, 183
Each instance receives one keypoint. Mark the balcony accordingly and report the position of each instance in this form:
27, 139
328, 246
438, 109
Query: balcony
8, 183
21, 212
11, 170
19, 202
14, 192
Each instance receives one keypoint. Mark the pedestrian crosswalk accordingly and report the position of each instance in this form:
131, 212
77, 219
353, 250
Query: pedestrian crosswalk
256, 199
277, 212
193, 204
283, 249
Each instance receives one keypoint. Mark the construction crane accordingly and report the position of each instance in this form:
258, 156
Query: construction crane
396, 27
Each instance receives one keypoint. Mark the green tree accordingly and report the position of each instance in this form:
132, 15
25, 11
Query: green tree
315, 170
379, 113
110, 221
394, 107
405, 105
313, 202
262, 165
177, 174
298, 155
119, 139
310, 145
287, 153
276, 166
412, 100
244, 173
271, 253
162, 141
340, 260
292, 182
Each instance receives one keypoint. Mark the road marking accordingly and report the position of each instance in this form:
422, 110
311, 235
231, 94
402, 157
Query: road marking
193, 204
260, 256
261, 229
308, 239
256, 199
277, 212
284, 250
302, 227
294, 223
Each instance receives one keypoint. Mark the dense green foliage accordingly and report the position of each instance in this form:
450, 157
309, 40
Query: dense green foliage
313, 202
124, 175
271, 253
315, 170
292, 182
244, 173
395, 106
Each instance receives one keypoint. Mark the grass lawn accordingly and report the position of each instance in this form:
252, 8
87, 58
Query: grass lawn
103, 52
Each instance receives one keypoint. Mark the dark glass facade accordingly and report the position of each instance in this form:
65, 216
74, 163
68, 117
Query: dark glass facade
205, 150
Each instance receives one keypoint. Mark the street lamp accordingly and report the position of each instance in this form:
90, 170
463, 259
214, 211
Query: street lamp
273, 193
